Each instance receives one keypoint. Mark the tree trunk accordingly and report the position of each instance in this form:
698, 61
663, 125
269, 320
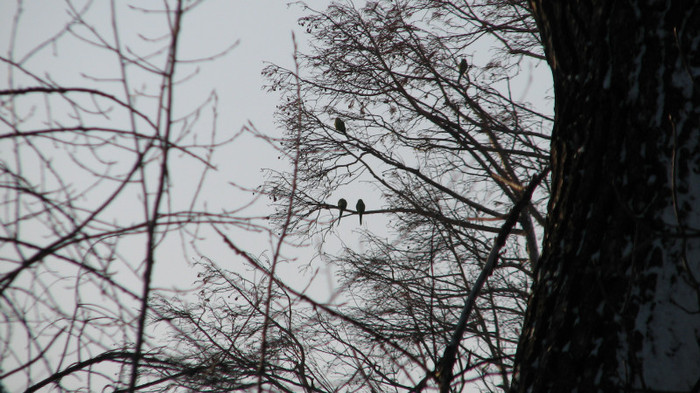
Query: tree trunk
616, 299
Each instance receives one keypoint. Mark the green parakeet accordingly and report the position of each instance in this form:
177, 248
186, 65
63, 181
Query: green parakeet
462, 68
339, 125
360, 209
342, 205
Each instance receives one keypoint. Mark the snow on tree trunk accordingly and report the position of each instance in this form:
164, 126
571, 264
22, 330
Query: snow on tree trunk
616, 298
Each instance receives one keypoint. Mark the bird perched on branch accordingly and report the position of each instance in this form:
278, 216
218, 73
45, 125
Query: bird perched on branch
360, 209
342, 205
339, 125
462, 68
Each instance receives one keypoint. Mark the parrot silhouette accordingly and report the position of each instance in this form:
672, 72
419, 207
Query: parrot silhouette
339, 125
462, 68
360, 209
342, 205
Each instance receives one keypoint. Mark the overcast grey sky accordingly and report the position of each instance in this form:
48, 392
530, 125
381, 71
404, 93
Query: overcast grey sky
262, 30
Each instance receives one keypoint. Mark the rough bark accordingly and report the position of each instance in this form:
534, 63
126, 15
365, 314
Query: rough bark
616, 300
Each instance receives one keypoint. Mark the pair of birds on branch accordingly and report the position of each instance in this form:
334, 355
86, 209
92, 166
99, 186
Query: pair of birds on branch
340, 127
343, 204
